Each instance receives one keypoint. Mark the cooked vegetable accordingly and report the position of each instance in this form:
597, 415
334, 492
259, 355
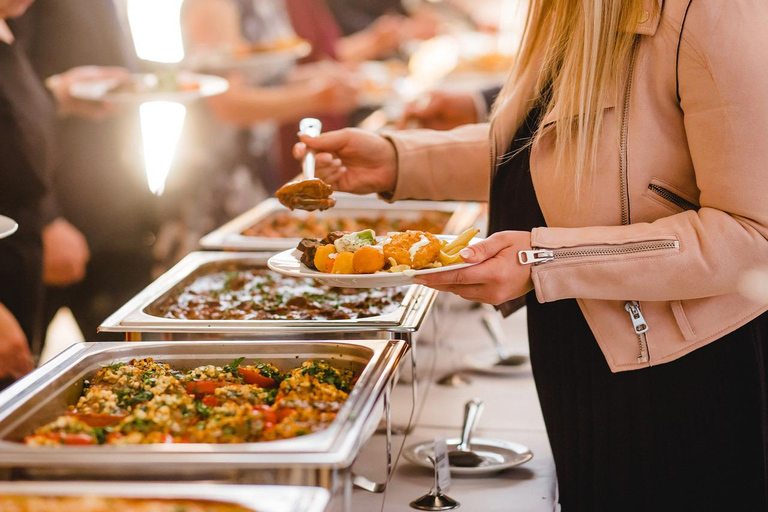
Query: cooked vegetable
368, 260
321, 255
344, 263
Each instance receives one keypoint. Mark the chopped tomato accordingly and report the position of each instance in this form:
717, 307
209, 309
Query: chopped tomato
210, 401
255, 377
203, 387
72, 439
98, 420
269, 414
114, 436
284, 413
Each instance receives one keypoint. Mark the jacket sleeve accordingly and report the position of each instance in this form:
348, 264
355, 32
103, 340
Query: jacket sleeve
442, 165
723, 79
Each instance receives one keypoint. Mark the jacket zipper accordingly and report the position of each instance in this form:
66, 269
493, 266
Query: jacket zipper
539, 256
673, 198
632, 307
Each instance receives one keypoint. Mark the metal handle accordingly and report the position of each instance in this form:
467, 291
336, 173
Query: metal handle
492, 324
472, 411
310, 127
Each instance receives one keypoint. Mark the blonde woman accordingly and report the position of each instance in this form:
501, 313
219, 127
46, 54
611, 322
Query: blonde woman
628, 194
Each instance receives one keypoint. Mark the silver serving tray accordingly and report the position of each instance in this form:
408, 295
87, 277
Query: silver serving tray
47, 392
259, 498
230, 237
133, 316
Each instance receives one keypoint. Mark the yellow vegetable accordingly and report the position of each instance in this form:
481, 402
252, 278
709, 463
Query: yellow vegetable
321, 256
343, 264
368, 260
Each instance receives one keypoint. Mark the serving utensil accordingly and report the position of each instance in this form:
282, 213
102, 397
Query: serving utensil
492, 324
311, 193
463, 456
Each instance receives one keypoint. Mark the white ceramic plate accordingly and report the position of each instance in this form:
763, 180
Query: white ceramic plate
99, 90
485, 362
264, 62
498, 454
289, 263
8, 226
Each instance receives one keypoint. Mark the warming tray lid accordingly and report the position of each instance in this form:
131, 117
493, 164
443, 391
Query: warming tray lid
258, 498
230, 237
132, 316
49, 389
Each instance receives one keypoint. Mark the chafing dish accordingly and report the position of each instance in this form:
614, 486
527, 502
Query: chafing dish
230, 236
134, 318
250, 497
321, 459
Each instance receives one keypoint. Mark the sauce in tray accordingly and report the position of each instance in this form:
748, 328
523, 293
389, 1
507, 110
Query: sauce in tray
108, 504
238, 292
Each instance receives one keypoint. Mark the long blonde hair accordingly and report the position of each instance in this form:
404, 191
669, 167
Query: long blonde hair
586, 45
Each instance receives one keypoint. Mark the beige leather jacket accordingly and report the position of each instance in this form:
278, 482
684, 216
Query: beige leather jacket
678, 210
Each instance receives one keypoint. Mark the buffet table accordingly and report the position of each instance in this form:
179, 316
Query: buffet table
511, 413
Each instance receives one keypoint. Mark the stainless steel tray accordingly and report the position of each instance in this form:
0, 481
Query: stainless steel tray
272, 498
133, 318
315, 459
230, 237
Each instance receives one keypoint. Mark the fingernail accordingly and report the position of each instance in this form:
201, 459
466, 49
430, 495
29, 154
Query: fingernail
336, 162
467, 252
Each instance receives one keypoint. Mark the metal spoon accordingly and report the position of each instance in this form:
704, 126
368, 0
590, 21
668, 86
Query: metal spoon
463, 456
493, 326
310, 127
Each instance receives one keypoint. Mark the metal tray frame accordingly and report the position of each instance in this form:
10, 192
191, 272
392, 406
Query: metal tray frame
271, 498
230, 237
132, 318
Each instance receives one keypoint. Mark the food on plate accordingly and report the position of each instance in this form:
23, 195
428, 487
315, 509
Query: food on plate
362, 253
242, 292
492, 62
310, 195
281, 44
288, 225
151, 403
154, 83
88, 503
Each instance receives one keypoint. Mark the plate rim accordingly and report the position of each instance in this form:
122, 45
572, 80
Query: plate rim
128, 97
410, 455
14, 226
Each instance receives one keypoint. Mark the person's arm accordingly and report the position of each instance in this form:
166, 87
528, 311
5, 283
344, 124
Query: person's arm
442, 165
15, 357
723, 77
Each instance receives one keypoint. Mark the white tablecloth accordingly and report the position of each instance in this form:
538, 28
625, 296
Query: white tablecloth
511, 413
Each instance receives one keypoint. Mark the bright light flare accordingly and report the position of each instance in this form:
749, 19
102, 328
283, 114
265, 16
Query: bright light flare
156, 29
161, 125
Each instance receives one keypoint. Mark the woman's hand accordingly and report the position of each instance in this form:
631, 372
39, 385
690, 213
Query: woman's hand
60, 85
352, 160
15, 358
498, 276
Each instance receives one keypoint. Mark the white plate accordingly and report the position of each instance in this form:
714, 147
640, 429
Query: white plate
265, 63
498, 454
485, 362
8, 226
99, 90
289, 263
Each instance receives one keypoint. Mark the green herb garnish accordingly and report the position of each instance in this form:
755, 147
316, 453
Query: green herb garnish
233, 366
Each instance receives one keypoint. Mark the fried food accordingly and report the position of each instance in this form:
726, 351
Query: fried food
414, 248
312, 194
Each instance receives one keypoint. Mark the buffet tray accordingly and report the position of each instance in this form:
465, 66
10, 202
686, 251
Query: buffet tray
46, 393
230, 237
133, 316
273, 498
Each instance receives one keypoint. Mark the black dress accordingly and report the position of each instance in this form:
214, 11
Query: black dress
26, 132
689, 435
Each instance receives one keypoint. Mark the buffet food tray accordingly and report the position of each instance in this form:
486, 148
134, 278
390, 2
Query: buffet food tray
254, 498
319, 459
134, 318
230, 236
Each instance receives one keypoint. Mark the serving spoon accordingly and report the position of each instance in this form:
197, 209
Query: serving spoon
463, 456
311, 193
492, 324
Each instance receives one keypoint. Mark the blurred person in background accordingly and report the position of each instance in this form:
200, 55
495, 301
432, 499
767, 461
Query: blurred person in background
445, 110
99, 211
27, 114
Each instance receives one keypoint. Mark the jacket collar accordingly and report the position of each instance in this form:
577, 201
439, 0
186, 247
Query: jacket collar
650, 17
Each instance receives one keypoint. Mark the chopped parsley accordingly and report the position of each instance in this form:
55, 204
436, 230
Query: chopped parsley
232, 367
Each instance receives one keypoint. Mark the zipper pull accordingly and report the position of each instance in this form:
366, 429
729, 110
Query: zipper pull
638, 321
535, 256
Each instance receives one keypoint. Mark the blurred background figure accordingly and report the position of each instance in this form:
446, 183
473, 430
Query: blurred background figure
444, 110
27, 134
99, 213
